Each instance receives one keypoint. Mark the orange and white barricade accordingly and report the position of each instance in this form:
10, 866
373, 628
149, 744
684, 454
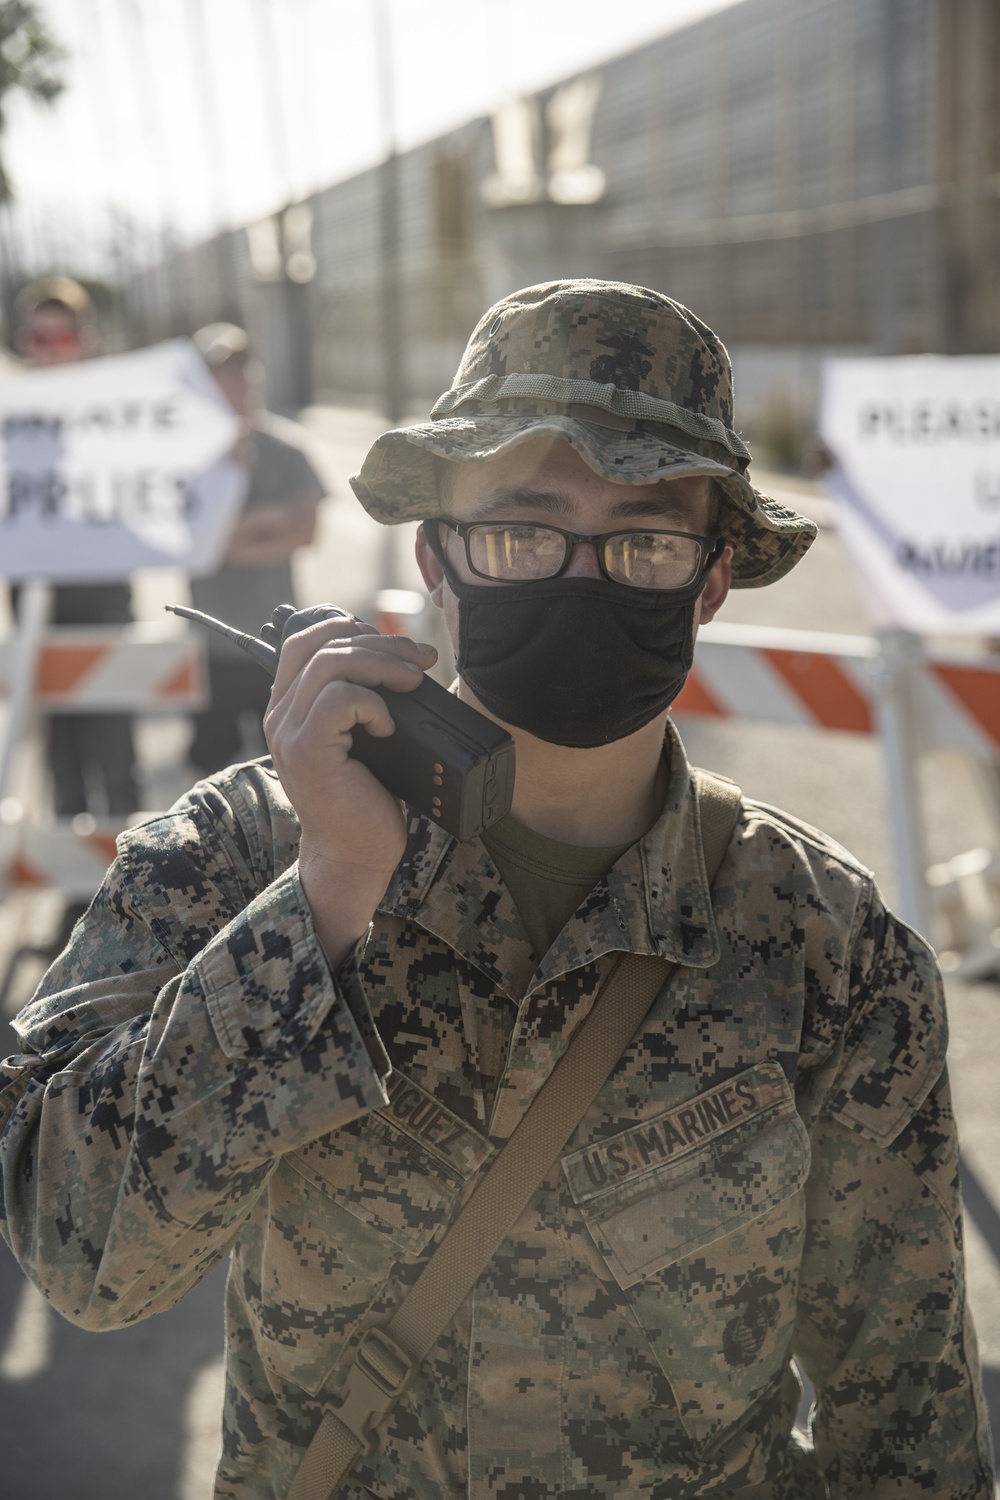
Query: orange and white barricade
834, 682
916, 701
67, 855
93, 669
134, 669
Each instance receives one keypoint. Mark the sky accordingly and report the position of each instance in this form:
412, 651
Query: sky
204, 113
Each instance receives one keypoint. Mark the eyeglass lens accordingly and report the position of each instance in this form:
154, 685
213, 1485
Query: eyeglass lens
644, 559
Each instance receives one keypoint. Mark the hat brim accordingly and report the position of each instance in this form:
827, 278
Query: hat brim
398, 480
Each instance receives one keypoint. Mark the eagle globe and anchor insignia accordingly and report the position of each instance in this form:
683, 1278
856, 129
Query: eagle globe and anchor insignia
744, 1335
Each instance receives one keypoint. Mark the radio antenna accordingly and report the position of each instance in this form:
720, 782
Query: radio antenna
264, 655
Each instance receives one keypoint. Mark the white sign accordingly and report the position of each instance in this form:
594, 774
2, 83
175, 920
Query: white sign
917, 484
116, 464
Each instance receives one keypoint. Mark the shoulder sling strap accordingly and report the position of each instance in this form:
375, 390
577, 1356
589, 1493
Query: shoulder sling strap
387, 1359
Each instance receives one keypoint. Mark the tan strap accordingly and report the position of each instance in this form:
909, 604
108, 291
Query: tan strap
387, 1359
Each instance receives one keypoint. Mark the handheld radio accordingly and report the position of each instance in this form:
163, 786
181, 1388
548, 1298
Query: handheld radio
445, 758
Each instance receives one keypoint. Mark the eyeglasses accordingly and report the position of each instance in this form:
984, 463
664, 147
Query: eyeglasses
516, 552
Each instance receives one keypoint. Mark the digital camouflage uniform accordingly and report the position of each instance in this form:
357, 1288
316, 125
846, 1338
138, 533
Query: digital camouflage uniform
769, 1171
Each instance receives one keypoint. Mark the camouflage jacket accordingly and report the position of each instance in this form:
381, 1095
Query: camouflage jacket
769, 1172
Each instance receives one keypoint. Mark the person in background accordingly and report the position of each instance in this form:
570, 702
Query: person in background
279, 517
91, 756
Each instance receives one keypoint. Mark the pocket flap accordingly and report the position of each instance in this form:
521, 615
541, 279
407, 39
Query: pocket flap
691, 1175
399, 1168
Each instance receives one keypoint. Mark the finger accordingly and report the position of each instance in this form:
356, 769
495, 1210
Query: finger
299, 647
332, 714
304, 646
419, 652
369, 661
374, 660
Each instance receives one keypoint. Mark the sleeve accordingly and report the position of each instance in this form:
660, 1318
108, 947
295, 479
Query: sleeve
190, 1034
884, 1331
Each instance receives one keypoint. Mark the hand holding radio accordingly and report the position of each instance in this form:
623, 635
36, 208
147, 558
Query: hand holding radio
353, 828
356, 730
325, 690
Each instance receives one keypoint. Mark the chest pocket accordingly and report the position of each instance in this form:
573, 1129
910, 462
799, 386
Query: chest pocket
343, 1212
699, 1217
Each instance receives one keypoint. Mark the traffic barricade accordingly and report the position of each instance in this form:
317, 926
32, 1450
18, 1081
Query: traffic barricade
85, 669
136, 669
917, 701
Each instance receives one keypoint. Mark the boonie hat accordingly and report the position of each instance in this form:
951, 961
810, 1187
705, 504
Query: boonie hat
632, 380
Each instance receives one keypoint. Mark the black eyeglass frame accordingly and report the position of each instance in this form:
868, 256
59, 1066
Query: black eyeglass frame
710, 549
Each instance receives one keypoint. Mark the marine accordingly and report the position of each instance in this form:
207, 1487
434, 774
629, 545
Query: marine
300, 1021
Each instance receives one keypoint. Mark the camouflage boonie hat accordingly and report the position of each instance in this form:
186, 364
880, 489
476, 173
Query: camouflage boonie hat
636, 384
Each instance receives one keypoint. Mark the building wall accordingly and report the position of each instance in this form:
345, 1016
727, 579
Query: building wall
782, 138
807, 174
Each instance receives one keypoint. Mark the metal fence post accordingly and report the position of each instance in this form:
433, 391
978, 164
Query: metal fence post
892, 680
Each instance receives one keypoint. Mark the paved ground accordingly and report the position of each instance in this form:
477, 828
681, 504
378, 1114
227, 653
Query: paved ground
113, 1416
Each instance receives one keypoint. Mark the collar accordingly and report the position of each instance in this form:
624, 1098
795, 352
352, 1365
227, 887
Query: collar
655, 900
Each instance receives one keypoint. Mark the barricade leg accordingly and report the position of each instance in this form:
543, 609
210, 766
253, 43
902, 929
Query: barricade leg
33, 611
103, 674
893, 684
966, 888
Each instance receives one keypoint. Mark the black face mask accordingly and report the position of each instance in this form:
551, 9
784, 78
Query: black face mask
575, 661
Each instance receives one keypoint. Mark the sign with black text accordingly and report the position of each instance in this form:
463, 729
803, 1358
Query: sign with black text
916, 480
116, 464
